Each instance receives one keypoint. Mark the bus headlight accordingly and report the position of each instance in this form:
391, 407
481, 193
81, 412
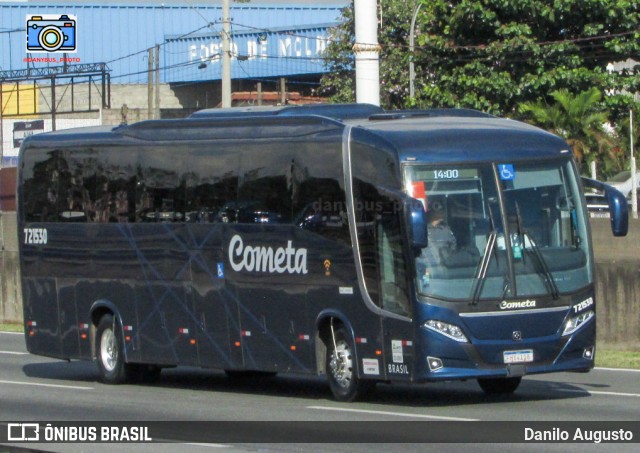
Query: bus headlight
448, 330
576, 322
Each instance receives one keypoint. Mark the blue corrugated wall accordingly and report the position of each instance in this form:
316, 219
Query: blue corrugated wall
275, 40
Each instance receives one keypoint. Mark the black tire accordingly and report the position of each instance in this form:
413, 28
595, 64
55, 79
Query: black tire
110, 353
499, 386
342, 369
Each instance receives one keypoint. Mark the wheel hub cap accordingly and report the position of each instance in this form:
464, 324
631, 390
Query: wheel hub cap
341, 365
108, 350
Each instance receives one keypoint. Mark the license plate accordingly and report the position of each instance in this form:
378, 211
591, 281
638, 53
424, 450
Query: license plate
523, 356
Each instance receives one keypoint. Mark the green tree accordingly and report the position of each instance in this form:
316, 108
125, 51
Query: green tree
619, 156
393, 35
339, 80
493, 54
579, 119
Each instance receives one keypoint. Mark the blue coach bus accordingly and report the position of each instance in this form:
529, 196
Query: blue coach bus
346, 241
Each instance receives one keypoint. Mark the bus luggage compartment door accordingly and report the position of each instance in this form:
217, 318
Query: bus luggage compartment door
272, 322
41, 316
167, 329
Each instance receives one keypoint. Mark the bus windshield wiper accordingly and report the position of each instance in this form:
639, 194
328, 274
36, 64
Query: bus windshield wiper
537, 254
483, 266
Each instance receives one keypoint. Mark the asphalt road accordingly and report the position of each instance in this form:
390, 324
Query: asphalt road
36, 388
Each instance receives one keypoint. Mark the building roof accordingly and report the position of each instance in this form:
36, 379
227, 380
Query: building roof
274, 38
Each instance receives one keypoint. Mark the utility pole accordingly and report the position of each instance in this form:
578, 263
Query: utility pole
412, 70
226, 55
1, 167
367, 50
157, 107
1, 128
283, 91
150, 86
634, 178
53, 103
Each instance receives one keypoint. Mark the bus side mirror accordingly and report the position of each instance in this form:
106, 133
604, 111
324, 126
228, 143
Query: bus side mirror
618, 207
619, 211
416, 223
415, 216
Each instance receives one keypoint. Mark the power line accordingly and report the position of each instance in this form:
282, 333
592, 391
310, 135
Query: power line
15, 30
513, 55
209, 24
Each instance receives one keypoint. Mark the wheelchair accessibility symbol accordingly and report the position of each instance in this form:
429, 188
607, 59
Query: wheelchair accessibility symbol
507, 173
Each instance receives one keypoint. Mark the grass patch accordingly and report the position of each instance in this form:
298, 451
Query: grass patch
11, 328
608, 357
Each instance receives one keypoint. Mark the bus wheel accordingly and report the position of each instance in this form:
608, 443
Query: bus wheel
499, 386
109, 353
342, 372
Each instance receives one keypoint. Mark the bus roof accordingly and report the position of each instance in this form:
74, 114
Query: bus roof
442, 135
335, 111
455, 135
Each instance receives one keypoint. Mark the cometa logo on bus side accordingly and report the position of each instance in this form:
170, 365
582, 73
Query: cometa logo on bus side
266, 259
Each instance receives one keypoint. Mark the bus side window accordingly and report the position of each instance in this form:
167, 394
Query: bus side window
392, 270
40, 191
212, 185
379, 224
318, 196
382, 255
111, 184
161, 186
264, 193
78, 186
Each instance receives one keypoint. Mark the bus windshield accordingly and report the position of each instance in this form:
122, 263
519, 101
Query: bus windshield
501, 230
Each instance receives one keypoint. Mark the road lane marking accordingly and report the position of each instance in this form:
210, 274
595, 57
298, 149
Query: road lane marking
595, 392
13, 333
197, 444
37, 384
14, 353
617, 369
395, 414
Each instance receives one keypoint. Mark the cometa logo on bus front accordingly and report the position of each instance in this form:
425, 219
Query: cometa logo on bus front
266, 259
506, 305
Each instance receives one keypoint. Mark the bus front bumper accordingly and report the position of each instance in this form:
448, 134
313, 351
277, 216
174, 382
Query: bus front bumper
447, 359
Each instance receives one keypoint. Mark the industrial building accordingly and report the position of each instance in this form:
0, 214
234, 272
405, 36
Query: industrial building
127, 61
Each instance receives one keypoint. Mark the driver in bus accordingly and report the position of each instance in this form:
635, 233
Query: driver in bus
442, 243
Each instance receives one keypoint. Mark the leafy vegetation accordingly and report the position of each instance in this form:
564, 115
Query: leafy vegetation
497, 55
579, 119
